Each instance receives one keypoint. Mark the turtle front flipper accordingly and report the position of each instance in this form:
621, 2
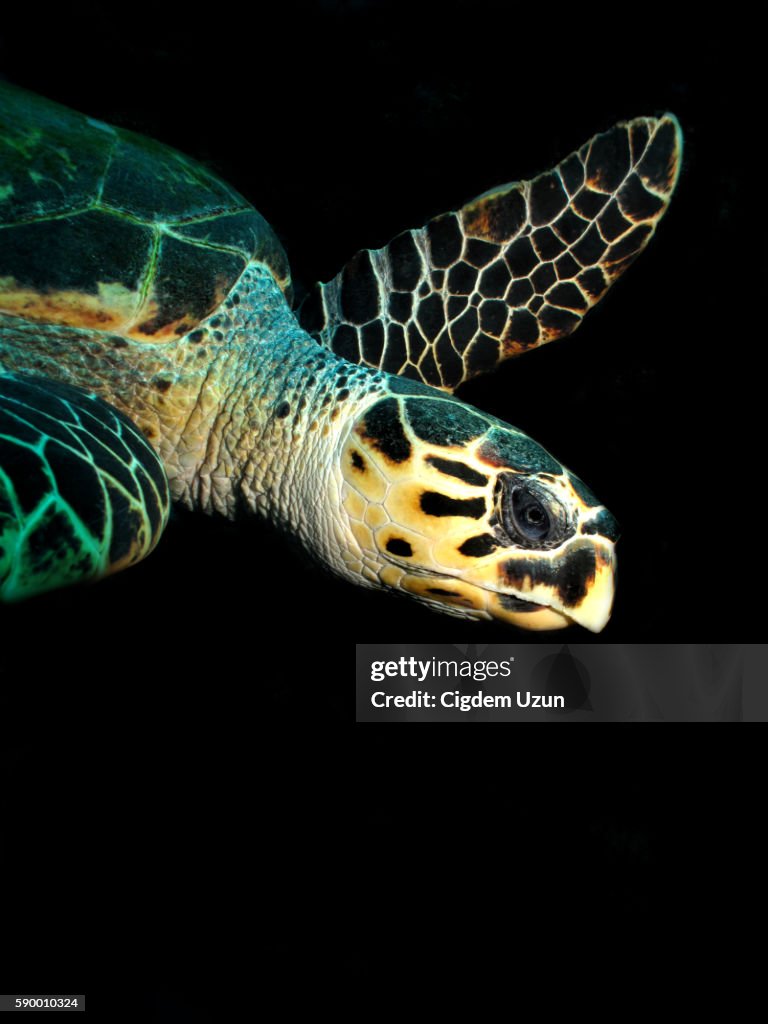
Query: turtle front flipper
82, 494
515, 268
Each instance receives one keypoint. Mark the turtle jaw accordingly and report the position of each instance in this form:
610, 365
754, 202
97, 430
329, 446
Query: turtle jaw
535, 591
581, 592
526, 615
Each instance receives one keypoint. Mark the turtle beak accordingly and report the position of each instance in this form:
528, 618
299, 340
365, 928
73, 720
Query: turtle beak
551, 590
594, 609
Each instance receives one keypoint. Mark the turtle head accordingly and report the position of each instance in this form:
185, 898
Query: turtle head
471, 516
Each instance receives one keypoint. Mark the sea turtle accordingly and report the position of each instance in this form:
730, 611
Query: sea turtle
149, 353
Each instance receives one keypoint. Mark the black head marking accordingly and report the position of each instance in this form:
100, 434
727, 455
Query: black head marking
570, 576
383, 428
436, 504
459, 470
398, 546
479, 546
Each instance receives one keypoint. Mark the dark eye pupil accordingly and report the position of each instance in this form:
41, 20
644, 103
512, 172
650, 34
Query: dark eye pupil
531, 514
530, 519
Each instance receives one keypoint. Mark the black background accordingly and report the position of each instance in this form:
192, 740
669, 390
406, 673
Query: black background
179, 720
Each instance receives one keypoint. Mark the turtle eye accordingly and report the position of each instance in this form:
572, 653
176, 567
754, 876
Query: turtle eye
531, 516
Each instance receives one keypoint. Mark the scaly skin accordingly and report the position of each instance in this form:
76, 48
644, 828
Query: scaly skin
386, 481
513, 269
212, 403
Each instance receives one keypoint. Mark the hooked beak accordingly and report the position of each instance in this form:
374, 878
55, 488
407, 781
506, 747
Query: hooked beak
537, 592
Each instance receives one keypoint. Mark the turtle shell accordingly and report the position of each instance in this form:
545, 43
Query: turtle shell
105, 229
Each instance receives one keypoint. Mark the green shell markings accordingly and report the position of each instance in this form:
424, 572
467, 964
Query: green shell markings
149, 354
82, 493
106, 229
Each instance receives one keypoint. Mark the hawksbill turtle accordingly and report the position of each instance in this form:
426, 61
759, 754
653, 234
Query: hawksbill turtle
149, 354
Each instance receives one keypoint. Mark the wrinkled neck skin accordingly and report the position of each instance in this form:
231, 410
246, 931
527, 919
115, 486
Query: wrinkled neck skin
246, 412
271, 414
